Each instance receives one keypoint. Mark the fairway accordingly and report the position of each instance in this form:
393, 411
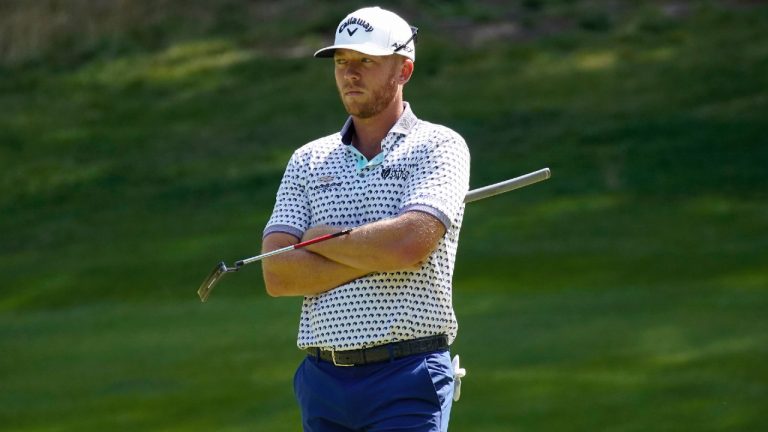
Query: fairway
562, 360
626, 293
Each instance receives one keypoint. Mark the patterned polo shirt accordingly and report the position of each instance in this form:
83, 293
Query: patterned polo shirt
422, 167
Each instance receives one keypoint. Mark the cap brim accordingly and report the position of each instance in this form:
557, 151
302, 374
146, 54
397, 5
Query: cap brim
362, 48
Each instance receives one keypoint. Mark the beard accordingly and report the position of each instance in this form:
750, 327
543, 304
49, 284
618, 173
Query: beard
379, 100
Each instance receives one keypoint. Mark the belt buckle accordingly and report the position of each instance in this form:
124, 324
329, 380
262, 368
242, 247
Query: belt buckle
335, 363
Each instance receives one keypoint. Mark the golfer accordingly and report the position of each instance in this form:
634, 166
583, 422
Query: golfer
377, 318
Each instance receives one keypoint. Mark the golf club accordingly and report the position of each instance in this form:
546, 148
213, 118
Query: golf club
474, 195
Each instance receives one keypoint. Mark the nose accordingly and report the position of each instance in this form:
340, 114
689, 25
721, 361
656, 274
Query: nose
351, 72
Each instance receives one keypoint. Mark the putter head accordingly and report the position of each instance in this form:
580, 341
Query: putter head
205, 288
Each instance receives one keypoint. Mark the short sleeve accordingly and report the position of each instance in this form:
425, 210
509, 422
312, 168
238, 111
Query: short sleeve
441, 179
292, 213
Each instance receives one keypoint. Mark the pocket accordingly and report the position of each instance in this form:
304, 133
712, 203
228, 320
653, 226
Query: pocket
439, 371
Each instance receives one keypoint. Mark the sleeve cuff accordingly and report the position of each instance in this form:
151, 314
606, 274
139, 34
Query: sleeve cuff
442, 217
288, 229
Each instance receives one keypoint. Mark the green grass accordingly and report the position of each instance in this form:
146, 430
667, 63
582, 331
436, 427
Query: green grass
665, 358
627, 293
153, 366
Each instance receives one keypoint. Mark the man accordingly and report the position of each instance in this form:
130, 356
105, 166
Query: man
377, 317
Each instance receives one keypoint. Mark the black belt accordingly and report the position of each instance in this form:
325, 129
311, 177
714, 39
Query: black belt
381, 353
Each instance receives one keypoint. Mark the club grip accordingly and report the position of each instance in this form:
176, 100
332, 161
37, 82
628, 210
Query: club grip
508, 185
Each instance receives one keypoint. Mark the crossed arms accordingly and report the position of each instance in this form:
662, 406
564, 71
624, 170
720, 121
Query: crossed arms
388, 245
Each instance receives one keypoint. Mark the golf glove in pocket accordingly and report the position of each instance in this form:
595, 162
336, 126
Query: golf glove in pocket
458, 374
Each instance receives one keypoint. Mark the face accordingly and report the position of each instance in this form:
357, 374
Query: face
367, 84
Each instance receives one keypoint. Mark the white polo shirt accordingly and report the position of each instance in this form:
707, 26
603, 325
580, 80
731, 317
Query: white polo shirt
423, 167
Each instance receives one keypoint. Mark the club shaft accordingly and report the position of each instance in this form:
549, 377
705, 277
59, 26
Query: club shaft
293, 247
264, 255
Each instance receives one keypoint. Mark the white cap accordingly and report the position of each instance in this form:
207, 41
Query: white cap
374, 31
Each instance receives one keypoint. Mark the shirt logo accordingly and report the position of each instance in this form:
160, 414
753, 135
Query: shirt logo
325, 183
394, 173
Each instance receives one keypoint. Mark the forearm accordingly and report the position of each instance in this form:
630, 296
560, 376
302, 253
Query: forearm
400, 243
301, 272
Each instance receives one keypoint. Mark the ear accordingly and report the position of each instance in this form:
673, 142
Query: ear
406, 71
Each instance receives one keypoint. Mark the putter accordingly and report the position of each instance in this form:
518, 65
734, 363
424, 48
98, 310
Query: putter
474, 195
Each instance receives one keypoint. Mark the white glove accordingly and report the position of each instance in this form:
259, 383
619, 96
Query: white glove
458, 374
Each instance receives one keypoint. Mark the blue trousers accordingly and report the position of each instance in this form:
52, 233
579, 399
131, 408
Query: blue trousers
413, 394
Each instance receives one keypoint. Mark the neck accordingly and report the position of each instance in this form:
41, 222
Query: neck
369, 132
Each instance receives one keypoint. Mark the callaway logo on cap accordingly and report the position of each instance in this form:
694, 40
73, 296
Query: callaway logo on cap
374, 31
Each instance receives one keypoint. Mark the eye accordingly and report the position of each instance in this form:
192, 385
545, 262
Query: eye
366, 60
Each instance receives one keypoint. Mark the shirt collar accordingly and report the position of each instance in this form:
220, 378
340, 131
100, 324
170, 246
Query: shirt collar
406, 122
403, 126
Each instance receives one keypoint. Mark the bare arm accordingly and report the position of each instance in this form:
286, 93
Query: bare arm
301, 272
399, 243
